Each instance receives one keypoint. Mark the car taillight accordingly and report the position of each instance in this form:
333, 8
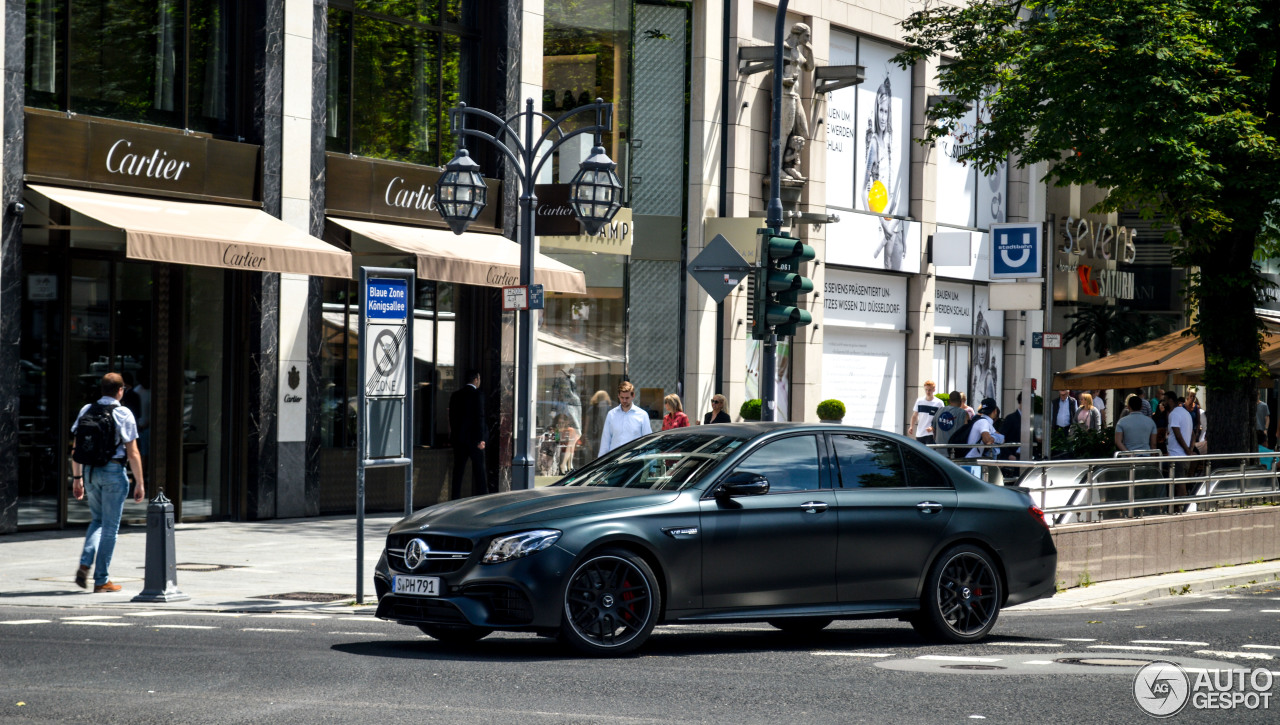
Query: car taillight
1038, 515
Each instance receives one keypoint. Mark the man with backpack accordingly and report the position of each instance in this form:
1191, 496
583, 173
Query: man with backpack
106, 435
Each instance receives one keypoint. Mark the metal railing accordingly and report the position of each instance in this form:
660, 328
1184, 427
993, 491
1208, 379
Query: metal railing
1138, 484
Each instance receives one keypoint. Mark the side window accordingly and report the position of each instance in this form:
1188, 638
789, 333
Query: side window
869, 462
790, 464
921, 473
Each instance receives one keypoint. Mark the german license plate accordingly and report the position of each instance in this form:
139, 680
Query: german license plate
422, 586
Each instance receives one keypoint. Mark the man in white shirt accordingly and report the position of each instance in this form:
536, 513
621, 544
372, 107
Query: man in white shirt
983, 429
923, 413
1180, 436
1100, 402
624, 423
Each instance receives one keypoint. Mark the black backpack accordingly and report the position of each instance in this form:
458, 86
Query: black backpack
96, 436
961, 436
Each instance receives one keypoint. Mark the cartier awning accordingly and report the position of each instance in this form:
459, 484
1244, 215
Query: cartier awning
488, 260
207, 235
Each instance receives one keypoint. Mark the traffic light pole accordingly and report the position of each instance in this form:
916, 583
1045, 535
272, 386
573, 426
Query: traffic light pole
774, 220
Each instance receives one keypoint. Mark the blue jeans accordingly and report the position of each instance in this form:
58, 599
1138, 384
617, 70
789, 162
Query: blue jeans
106, 488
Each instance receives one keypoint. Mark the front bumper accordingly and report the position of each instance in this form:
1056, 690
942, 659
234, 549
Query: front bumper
524, 594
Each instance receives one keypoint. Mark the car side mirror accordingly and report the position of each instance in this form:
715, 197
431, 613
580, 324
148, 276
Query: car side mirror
742, 483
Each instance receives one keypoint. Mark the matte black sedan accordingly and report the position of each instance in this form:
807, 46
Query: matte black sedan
795, 525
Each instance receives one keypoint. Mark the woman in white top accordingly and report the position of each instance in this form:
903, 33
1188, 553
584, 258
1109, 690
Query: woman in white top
1087, 416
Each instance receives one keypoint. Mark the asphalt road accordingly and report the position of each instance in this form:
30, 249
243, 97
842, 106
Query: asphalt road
138, 666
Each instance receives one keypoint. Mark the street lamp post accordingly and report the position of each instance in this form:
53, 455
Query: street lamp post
595, 194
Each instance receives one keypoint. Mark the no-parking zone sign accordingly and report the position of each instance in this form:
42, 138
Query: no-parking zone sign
385, 338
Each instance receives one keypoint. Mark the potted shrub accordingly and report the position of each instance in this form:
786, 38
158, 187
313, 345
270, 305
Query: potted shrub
831, 411
750, 410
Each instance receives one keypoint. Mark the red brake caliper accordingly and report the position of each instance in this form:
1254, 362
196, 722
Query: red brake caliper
627, 596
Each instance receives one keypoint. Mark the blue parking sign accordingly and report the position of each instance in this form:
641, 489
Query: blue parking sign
1017, 251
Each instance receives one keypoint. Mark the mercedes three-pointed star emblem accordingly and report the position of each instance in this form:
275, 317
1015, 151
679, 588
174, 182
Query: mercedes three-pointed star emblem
415, 552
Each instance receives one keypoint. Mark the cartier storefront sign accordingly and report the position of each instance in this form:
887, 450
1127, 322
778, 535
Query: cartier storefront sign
377, 190
116, 156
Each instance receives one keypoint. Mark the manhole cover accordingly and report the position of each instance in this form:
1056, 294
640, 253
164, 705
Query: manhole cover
1102, 662
306, 596
972, 667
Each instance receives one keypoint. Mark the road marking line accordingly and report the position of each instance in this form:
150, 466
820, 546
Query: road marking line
1077, 639
28, 621
852, 654
212, 614
1184, 643
150, 614
102, 624
289, 616
1038, 662
366, 619
946, 658
1241, 655
182, 626
90, 618
265, 629
1270, 611
1024, 644
1205, 610
362, 634
1129, 647
1259, 646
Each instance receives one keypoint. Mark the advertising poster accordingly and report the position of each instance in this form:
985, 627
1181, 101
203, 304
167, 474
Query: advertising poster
984, 375
865, 370
953, 308
865, 240
860, 299
883, 127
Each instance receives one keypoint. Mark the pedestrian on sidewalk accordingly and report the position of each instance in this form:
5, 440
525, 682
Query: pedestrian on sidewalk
1087, 416
950, 420
1180, 427
923, 413
1263, 414
717, 413
983, 431
105, 436
1064, 411
1100, 402
1135, 432
624, 423
675, 417
467, 433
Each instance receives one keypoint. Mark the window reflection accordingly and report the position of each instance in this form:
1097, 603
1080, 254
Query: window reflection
869, 462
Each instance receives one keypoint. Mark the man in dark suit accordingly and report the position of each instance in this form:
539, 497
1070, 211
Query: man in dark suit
468, 430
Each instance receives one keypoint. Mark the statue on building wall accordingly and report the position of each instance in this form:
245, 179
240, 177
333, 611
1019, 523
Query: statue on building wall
797, 61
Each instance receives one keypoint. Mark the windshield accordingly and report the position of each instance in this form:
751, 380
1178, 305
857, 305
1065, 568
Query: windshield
667, 463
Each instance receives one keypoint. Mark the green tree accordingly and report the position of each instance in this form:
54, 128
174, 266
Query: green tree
1173, 106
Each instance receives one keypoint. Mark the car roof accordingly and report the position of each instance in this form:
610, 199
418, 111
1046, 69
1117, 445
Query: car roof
753, 429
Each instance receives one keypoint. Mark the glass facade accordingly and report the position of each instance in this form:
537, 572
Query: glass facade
165, 62
395, 68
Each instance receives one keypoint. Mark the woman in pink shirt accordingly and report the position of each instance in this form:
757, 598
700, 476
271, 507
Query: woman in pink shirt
675, 417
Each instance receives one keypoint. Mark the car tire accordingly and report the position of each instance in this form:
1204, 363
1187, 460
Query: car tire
961, 599
801, 625
455, 633
611, 604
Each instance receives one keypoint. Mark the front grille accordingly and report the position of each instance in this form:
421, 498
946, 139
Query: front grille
506, 604
448, 553
419, 609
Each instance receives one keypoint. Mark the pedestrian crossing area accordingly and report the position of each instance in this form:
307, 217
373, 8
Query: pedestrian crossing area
242, 621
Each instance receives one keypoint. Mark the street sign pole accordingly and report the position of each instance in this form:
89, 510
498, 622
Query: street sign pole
385, 371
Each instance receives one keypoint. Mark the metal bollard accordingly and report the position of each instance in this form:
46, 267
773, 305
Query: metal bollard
161, 579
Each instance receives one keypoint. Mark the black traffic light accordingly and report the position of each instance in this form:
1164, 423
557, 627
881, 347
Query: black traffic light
784, 283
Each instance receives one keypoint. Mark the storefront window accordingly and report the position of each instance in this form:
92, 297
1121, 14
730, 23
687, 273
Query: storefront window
166, 62
394, 71
580, 355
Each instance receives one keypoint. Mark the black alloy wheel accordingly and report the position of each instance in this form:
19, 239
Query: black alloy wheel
611, 604
455, 633
801, 625
961, 599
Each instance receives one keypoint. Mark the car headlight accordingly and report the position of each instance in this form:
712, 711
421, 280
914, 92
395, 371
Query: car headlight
515, 546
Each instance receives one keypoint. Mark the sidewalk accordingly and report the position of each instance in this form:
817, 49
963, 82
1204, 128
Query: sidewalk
280, 565
309, 565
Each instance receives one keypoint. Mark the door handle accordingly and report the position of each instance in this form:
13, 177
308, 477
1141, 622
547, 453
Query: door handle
929, 507
814, 507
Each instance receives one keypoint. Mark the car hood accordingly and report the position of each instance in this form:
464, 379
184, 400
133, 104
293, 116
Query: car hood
539, 504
